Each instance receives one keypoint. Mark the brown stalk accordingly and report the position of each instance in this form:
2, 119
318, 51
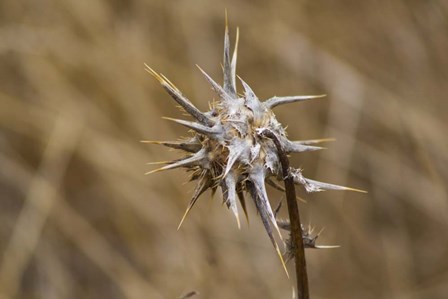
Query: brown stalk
294, 218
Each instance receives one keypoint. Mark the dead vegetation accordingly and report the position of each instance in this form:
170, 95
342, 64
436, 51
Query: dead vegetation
78, 219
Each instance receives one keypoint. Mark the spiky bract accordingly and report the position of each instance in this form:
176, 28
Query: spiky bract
226, 149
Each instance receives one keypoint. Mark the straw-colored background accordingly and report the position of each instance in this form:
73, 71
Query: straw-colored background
78, 219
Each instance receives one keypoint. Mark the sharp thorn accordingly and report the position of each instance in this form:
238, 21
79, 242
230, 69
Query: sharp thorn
276, 101
215, 86
277, 249
194, 126
326, 246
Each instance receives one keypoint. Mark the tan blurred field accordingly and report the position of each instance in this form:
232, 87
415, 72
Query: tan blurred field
78, 217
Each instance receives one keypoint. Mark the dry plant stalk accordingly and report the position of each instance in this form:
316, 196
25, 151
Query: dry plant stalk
239, 146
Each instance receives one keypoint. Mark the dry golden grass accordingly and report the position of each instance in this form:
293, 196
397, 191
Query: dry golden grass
78, 219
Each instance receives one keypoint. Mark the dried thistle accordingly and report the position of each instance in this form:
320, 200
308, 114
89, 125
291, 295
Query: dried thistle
309, 240
228, 148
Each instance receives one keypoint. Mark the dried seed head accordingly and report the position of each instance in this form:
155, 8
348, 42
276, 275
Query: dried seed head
227, 149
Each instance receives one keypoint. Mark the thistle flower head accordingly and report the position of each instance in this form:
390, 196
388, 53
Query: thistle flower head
228, 150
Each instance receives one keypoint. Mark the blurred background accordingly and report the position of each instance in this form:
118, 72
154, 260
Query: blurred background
78, 217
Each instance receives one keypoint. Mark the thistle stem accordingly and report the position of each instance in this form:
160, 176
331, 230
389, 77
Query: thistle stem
294, 218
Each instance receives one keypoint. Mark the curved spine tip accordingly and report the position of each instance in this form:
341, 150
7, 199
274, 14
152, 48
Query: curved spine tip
276, 101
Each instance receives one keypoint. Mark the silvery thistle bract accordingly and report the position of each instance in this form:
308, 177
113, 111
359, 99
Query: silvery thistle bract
227, 151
